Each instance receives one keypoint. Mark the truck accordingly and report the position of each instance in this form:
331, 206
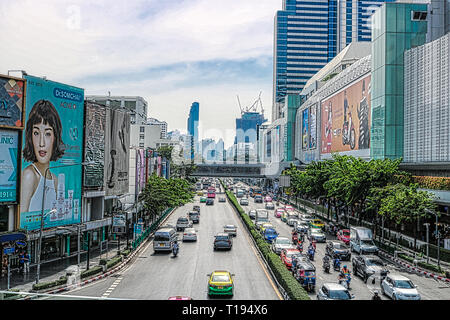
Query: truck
361, 241
261, 215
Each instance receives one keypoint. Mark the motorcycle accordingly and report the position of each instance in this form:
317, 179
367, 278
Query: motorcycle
295, 237
326, 265
311, 254
336, 264
348, 132
344, 280
175, 251
300, 246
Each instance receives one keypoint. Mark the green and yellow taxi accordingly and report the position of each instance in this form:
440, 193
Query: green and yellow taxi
220, 283
202, 199
200, 193
317, 223
284, 216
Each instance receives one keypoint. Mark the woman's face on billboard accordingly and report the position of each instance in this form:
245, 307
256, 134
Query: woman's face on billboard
43, 139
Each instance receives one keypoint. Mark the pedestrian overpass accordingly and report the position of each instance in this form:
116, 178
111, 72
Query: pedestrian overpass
247, 170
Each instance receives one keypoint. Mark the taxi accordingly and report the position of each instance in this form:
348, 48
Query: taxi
278, 212
317, 223
202, 199
220, 283
284, 216
264, 226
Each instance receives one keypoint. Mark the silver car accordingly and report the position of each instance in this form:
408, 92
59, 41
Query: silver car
252, 214
292, 221
189, 234
334, 291
317, 235
281, 243
183, 223
399, 287
230, 229
243, 202
270, 206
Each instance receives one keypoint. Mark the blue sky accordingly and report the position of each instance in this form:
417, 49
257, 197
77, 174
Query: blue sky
170, 52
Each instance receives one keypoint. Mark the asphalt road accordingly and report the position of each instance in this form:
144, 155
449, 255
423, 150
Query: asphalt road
157, 276
429, 288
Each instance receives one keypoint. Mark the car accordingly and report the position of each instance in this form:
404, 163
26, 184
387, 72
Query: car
258, 199
302, 226
334, 291
317, 223
284, 216
399, 287
222, 199
369, 265
269, 234
304, 273
202, 199
243, 202
270, 205
252, 214
223, 241
306, 217
200, 193
183, 223
344, 235
220, 283
189, 234
281, 243
286, 256
264, 225
292, 221
339, 249
196, 208
267, 199
230, 229
194, 217
209, 201
317, 235
278, 212
289, 208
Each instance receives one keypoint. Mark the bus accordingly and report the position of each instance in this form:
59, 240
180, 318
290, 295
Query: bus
211, 192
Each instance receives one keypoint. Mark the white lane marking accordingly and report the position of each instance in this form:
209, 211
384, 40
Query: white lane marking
112, 287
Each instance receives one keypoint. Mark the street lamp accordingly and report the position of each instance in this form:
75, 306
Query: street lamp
38, 271
427, 225
437, 236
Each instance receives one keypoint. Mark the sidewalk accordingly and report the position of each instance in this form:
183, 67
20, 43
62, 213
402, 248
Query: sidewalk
53, 270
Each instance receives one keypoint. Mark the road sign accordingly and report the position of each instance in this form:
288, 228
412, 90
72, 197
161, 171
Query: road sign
9, 250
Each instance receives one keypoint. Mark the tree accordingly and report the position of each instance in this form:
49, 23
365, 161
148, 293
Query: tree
165, 152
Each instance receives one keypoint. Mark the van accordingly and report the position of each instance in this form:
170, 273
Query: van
164, 239
361, 241
239, 193
262, 215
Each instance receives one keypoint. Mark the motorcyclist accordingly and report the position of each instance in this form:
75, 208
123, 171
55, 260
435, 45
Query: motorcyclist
300, 246
345, 270
326, 261
336, 263
175, 248
311, 252
313, 243
376, 296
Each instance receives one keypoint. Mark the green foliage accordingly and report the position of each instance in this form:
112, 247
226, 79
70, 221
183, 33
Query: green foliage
91, 272
165, 152
47, 285
112, 262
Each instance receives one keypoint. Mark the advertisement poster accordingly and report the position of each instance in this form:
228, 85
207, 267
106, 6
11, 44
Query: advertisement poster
11, 102
140, 171
313, 127
94, 145
9, 142
346, 119
51, 154
305, 129
117, 142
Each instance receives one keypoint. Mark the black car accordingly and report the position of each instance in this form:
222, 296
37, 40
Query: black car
369, 265
337, 248
197, 208
258, 199
223, 241
209, 201
193, 216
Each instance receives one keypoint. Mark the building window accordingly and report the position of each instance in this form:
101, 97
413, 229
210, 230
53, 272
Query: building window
141, 145
142, 129
418, 15
141, 137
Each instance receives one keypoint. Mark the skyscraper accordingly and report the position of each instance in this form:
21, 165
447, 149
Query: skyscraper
308, 34
192, 126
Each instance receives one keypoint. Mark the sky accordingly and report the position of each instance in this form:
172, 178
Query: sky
170, 52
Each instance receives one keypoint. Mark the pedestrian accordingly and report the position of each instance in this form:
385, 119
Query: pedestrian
27, 262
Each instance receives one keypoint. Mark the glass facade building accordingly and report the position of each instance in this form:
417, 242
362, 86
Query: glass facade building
310, 33
395, 29
192, 126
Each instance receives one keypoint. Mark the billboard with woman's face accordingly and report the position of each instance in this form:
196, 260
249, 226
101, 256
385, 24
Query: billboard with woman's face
51, 154
345, 117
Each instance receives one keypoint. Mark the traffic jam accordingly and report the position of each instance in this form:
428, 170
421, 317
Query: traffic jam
340, 253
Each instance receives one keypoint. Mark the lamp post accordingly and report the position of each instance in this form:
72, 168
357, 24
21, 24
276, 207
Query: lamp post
38, 271
427, 225
437, 235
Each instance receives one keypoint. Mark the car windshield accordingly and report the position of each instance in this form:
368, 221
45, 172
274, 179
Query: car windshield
367, 242
161, 237
291, 253
317, 232
229, 227
189, 230
182, 220
338, 245
221, 237
374, 262
404, 284
340, 295
220, 278
307, 217
283, 241
346, 233
270, 232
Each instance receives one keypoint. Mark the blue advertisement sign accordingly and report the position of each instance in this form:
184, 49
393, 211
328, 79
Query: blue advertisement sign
9, 141
305, 128
52, 154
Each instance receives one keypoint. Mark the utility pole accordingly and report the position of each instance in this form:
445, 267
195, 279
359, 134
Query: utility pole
427, 225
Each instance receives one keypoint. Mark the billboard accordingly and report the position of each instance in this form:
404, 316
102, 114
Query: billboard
51, 154
94, 145
305, 128
140, 171
345, 124
12, 102
9, 142
117, 142
313, 127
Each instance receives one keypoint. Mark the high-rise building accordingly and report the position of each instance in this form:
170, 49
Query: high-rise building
137, 106
162, 124
192, 126
308, 34
246, 132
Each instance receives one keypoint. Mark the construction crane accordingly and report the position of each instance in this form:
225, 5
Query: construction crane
254, 106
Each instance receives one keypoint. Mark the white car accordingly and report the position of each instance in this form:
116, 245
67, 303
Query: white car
230, 229
399, 287
292, 221
281, 243
190, 234
270, 205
